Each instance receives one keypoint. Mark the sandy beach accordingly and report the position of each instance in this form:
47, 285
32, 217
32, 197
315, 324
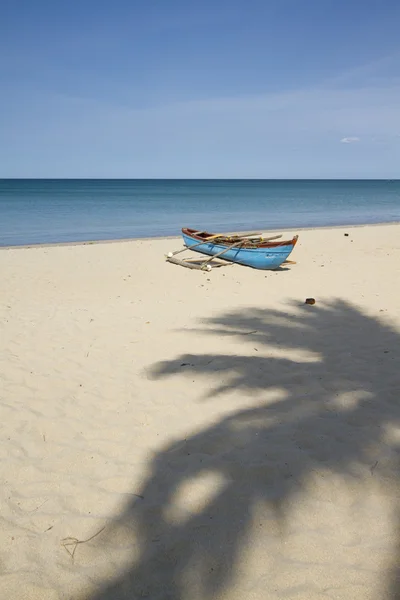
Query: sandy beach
182, 435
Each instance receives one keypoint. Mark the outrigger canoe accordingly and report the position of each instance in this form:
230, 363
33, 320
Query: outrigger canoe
252, 251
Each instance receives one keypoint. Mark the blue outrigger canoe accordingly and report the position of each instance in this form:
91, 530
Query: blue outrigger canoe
257, 254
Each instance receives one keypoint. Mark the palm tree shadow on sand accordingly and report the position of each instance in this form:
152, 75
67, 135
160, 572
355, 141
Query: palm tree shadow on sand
337, 414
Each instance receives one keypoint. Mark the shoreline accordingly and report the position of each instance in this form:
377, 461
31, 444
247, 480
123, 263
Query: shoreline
177, 237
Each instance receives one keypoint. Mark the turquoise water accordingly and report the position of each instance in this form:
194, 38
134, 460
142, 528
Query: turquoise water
44, 211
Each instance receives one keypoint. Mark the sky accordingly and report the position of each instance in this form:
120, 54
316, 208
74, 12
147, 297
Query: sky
200, 89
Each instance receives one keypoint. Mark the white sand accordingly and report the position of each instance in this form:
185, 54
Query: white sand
233, 442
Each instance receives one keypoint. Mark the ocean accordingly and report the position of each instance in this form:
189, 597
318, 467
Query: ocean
41, 211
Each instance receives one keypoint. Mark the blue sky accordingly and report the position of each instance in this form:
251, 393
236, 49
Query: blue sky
172, 88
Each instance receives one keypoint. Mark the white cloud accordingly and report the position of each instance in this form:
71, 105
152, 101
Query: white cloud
350, 140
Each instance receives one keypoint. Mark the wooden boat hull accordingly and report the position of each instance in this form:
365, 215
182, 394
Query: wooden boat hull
266, 255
